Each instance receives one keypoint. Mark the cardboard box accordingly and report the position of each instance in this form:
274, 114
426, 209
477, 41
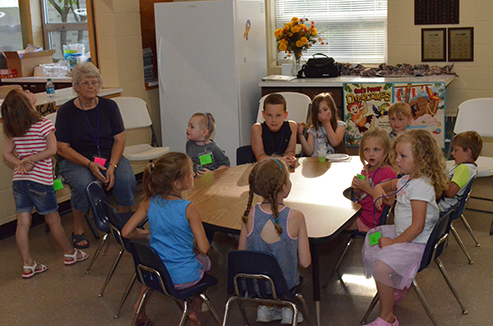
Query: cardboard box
24, 63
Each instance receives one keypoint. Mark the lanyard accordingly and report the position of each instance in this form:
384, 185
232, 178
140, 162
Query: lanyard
280, 141
96, 140
395, 193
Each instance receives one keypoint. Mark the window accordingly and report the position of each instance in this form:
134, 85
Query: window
354, 31
10, 28
64, 22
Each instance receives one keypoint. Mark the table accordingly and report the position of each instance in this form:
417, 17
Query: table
222, 195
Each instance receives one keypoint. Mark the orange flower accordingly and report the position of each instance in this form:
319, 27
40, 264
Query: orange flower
295, 19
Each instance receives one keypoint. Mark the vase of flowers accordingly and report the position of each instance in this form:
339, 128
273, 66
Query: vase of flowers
296, 37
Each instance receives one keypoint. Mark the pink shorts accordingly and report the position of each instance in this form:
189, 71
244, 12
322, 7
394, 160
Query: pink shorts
205, 262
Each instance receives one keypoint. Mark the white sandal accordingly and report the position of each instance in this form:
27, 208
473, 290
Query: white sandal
72, 259
33, 269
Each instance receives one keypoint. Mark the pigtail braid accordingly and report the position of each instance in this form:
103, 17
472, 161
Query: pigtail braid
244, 218
275, 212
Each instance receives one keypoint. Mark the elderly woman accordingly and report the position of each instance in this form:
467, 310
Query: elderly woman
90, 140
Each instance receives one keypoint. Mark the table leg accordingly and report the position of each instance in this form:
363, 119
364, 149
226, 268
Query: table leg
316, 278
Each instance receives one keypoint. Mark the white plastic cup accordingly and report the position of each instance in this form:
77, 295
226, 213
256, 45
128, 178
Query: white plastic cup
322, 155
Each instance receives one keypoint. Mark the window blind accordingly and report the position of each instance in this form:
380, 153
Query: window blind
353, 31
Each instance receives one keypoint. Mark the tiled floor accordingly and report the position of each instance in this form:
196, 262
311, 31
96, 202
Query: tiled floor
68, 296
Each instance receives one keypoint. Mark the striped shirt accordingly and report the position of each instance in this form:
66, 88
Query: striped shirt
34, 141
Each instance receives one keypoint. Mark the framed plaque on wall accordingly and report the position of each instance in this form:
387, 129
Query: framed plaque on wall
433, 44
461, 44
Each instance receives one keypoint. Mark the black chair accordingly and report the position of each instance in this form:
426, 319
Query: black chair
459, 214
434, 248
256, 276
348, 193
154, 275
244, 155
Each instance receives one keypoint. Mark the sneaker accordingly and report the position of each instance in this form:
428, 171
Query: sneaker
287, 316
380, 322
267, 314
400, 294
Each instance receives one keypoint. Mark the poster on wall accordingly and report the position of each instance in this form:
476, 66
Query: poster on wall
427, 101
365, 107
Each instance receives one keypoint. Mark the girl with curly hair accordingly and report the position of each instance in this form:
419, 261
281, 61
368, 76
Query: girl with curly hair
394, 262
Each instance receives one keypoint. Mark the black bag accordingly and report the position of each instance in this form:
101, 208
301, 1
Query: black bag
320, 66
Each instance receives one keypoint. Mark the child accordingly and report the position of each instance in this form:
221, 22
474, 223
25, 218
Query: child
272, 227
399, 117
174, 225
275, 136
395, 261
205, 154
326, 131
466, 148
29, 147
374, 152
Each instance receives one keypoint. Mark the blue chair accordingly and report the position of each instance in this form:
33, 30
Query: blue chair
155, 276
244, 155
256, 276
434, 248
348, 193
459, 214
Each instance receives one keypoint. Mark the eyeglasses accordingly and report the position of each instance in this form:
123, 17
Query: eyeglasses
92, 83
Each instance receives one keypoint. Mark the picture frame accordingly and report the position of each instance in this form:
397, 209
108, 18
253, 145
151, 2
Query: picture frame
433, 44
461, 44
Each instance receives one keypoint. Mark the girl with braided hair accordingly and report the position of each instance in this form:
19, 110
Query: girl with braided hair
272, 227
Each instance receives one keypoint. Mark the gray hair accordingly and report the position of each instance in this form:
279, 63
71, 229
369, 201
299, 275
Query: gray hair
85, 70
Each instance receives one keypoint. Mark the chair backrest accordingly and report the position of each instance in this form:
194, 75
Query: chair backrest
349, 194
252, 263
463, 199
244, 155
97, 197
51, 117
475, 114
298, 105
5, 89
436, 242
134, 112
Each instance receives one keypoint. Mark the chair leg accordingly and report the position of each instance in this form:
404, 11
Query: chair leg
226, 310
141, 304
112, 270
373, 303
241, 306
184, 315
461, 244
295, 313
468, 227
211, 307
96, 254
449, 283
105, 250
348, 244
423, 302
92, 227
125, 295
304, 306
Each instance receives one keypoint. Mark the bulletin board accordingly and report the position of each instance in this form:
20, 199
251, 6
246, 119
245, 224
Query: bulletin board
366, 107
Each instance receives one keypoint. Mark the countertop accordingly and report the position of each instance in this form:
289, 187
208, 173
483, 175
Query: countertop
32, 79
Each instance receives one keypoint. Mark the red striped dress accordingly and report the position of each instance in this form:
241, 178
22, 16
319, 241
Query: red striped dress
34, 141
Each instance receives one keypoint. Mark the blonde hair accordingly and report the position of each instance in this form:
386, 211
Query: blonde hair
429, 161
159, 176
267, 179
400, 108
469, 140
206, 121
384, 139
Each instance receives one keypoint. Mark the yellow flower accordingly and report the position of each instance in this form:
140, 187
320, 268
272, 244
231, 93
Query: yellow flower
295, 20
295, 29
278, 32
302, 26
313, 31
288, 25
304, 40
283, 46
299, 44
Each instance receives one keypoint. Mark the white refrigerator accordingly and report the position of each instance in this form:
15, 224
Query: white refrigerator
211, 57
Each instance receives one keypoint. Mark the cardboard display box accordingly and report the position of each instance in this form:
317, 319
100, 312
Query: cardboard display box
24, 63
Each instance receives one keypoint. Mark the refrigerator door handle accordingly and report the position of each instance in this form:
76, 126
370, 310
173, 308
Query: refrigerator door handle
162, 85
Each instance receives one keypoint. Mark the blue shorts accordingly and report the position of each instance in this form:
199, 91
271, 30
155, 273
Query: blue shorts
29, 194
78, 177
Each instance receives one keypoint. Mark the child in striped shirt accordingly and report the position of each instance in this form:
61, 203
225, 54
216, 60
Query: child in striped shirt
29, 147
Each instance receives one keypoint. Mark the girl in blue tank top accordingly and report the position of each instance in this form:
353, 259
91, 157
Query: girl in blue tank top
270, 226
174, 224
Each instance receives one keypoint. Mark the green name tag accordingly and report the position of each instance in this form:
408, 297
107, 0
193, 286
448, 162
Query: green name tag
57, 184
205, 159
374, 237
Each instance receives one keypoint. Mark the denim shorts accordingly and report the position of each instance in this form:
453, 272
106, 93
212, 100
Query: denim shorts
29, 194
78, 177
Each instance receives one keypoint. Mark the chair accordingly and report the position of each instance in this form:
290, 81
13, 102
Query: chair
250, 274
477, 114
155, 276
244, 155
348, 193
434, 248
135, 115
459, 214
5, 89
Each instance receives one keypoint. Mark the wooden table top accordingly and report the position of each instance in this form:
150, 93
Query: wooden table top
222, 195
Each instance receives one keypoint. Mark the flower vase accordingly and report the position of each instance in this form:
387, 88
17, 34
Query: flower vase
296, 65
